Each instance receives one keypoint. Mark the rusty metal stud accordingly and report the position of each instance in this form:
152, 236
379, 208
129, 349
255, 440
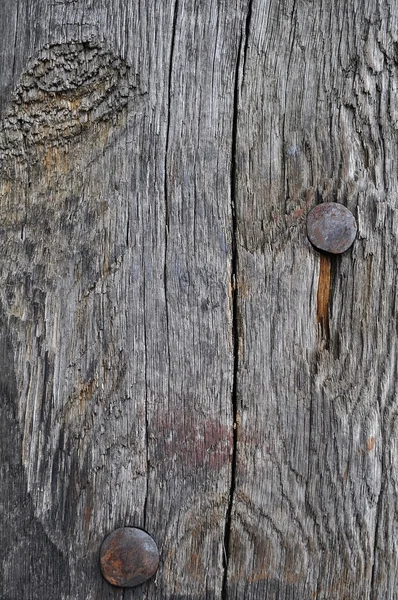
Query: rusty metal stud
129, 556
331, 227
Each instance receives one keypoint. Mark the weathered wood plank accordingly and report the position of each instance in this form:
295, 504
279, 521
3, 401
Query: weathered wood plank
315, 500
116, 317
191, 417
151, 156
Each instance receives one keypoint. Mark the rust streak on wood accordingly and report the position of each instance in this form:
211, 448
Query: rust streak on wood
323, 296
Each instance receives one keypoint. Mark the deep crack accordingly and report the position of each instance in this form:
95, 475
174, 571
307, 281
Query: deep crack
241, 62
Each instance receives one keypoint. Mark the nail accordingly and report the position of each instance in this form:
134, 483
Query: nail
129, 556
331, 227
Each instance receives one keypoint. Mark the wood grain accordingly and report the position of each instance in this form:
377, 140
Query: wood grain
174, 353
115, 286
315, 501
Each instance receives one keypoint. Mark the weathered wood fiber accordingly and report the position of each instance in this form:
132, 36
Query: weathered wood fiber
117, 364
315, 497
157, 161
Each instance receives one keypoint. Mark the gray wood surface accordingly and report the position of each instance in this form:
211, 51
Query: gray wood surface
315, 500
173, 352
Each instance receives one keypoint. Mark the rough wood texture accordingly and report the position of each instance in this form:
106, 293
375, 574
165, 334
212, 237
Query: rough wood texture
157, 161
117, 363
315, 503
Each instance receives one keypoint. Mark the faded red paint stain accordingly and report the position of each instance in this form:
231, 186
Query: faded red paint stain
202, 443
370, 444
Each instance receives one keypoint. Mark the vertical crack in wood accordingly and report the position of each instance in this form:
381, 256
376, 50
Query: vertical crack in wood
246, 45
240, 62
146, 395
15, 53
235, 332
323, 299
166, 233
292, 38
166, 188
166, 164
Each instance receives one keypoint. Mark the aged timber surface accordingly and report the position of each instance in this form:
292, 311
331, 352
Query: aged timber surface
316, 480
117, 362
174, 354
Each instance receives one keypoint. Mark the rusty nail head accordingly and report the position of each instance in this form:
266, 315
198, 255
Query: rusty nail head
128, 557
331, 227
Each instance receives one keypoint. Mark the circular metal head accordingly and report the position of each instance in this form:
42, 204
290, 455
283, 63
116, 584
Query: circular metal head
129, 556
331, 227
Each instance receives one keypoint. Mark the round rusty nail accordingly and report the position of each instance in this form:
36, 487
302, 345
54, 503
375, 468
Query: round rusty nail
331, 227
129, 556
